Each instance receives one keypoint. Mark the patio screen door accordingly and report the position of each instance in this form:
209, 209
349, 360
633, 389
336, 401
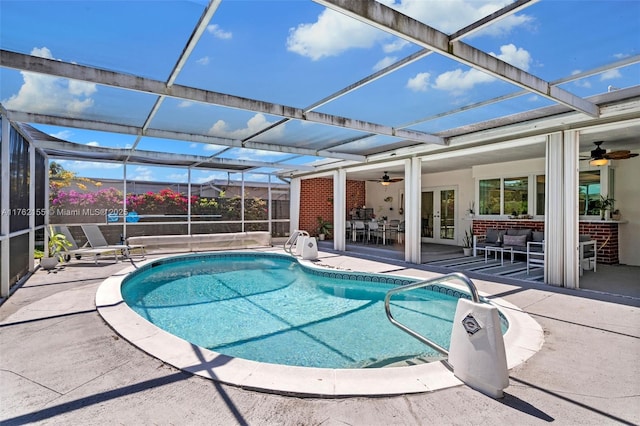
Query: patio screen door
438, 216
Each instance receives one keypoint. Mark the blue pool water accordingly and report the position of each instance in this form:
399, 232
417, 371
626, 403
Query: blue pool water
270, 308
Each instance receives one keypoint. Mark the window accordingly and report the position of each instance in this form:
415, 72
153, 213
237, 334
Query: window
540, 193
516, 196
504, 196
589, 193
490, 196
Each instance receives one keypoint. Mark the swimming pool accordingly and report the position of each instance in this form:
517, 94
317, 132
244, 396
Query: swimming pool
270, 308
348, 297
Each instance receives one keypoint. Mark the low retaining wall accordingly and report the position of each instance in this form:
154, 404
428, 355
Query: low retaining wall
202, 242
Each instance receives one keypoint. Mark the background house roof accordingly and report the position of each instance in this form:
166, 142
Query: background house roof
291, 87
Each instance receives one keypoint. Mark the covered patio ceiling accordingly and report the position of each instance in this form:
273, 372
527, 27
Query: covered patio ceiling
204, 85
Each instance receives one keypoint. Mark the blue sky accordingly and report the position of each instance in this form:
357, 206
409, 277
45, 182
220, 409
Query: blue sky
295, 53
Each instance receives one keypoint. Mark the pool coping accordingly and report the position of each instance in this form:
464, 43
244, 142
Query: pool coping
522, 340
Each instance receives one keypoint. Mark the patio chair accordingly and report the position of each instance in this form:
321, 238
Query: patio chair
535, 255
374, 231
588, 253
84, 251
358, 229
401, 231
392, 229
97, 240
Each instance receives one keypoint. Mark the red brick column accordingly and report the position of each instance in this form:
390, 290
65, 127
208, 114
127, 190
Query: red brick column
606, 234
316, 199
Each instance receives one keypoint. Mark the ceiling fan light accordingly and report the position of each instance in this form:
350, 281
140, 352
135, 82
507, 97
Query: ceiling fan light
385, 183
599, 162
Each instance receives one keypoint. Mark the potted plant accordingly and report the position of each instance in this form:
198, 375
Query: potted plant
467, 242
324, 228
616, 215
605, 204
58, 244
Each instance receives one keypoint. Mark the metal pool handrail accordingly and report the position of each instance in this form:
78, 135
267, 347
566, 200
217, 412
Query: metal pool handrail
288, 245
457, 275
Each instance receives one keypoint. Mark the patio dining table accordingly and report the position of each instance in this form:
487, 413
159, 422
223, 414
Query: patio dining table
384, 227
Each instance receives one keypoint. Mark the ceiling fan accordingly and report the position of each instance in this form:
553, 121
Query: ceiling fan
386, 180
600, 156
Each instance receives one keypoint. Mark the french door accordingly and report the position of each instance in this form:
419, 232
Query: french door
438, 214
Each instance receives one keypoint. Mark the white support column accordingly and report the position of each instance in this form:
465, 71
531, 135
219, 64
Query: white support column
339, 209
294, 204
554, 214
412, 199
242, 203
32, 204
4, 208
124, 200
270, 205
189, 201
571, 181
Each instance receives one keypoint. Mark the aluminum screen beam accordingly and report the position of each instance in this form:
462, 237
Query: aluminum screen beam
151, 156
72, 71
24, 117
396, 23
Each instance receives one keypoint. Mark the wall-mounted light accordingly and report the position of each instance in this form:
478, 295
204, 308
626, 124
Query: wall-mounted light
599, 162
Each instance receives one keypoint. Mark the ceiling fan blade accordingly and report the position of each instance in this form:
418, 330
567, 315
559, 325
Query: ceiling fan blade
395, 180
618, 155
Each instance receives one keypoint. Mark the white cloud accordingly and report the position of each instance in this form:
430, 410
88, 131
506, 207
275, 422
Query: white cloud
332, 34
610, 75
185, 104
44, 94
394, 46
210, 177
458, 81
620, 55
177, 177
219, 32
515, 56
582, 83
419, 83
384, 62
255, 124
88, 165
203, 61
93, 143
63, 134
141, 173
451, 15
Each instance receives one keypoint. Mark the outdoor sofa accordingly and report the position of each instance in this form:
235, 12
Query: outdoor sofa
516, 238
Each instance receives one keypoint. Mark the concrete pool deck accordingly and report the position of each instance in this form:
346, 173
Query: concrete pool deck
60, 363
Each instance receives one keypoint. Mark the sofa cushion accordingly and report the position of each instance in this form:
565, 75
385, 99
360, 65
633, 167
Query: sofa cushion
493, 236
538, 236
524, 231
514, 240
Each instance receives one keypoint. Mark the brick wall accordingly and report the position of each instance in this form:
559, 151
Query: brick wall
480, 226
605, 233
316, 199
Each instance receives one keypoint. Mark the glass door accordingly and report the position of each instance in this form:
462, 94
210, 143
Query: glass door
439, 216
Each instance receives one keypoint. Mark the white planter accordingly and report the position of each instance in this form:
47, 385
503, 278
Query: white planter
321, 237
48, 263
467, 251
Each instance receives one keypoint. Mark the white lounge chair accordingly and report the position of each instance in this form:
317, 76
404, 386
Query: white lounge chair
84, 251
97, 240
